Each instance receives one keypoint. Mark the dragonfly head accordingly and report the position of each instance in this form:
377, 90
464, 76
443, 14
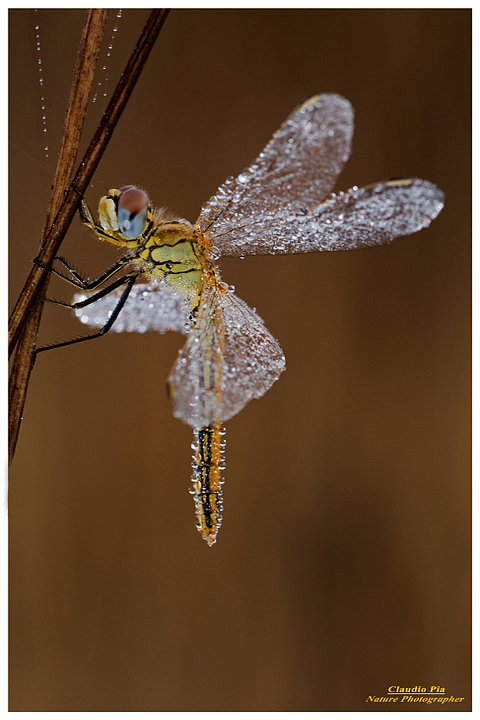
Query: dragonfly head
125, 214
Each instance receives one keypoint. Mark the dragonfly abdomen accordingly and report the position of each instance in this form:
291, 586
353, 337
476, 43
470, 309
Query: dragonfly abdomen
208, 456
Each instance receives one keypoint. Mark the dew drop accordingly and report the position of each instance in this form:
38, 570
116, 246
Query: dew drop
104, 73
41, 84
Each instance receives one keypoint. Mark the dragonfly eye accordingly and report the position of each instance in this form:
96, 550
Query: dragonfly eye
132, 212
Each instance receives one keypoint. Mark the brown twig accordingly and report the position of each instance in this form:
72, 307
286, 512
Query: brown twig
30, 300
26, 316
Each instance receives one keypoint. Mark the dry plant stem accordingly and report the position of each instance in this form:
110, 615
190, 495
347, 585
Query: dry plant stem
82, 82
31, 298
33, 293
20, 374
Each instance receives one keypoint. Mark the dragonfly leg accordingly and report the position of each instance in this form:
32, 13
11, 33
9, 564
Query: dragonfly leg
76, 280
83, 284
129, 280
96, 296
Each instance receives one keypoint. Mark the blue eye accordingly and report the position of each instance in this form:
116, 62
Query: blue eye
132, 226
132, 212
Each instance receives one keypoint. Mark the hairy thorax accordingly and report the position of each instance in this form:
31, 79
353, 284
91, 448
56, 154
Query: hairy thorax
173, 252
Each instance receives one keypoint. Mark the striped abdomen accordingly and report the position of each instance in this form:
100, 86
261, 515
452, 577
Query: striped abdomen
208, 450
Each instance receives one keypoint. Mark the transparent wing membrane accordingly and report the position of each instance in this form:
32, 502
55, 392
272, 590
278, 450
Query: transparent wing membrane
359, 218
196, 382
253, 359
152, 306
229, 358
299, 166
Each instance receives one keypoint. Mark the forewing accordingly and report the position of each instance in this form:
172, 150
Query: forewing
153, 306
298, 167
232, 348
359, 218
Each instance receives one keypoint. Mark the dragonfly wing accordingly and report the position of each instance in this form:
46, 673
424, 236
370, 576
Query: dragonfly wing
229, 358
253, 359
299, 165
196, 379
153, 306
359, 218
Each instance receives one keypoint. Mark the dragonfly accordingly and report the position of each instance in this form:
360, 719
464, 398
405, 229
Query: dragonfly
281, 204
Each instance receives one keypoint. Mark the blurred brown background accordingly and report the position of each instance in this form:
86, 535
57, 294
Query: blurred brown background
342, 566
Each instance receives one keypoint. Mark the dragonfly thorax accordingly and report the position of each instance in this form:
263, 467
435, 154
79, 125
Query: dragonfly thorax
173, 253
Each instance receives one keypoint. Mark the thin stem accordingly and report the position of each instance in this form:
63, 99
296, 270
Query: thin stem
26, 316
